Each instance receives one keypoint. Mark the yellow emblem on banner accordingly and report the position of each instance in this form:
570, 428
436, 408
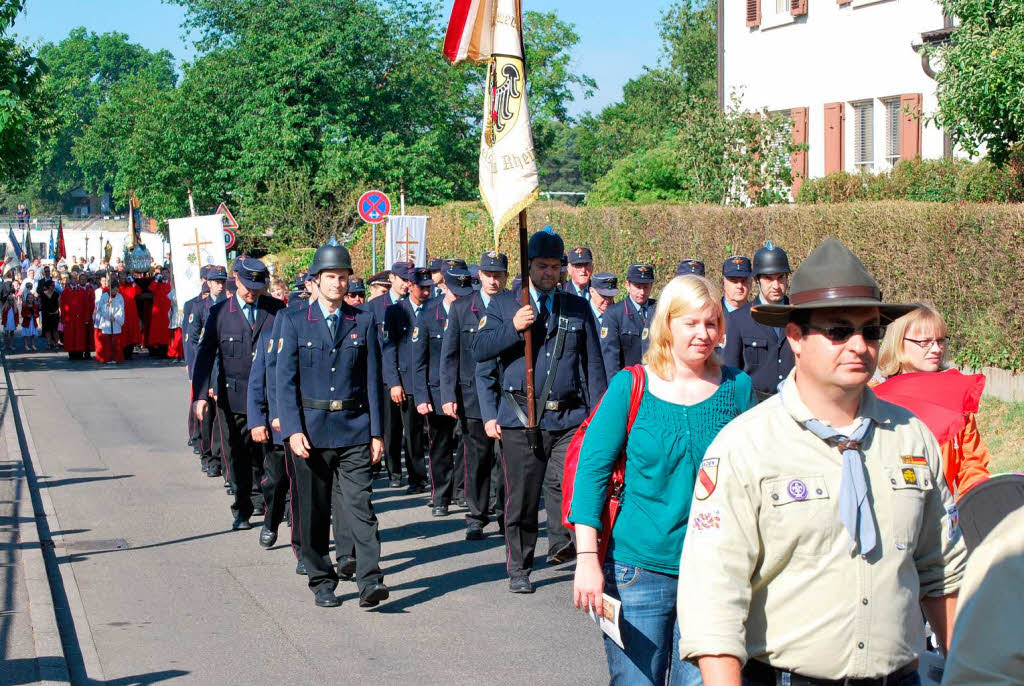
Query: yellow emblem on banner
505, 97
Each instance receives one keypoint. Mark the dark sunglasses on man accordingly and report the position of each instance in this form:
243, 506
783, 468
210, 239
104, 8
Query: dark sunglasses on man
840, 334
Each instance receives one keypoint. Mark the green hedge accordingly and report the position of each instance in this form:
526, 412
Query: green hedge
966, 258
925, 181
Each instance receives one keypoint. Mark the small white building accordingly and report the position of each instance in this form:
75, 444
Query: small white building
846, 72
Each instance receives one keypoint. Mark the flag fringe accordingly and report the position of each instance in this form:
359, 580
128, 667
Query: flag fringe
511, 213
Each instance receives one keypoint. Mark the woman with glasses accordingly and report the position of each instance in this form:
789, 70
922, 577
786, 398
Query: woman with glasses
913, 360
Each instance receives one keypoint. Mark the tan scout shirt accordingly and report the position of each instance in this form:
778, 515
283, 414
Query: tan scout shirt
767, 570
988, 639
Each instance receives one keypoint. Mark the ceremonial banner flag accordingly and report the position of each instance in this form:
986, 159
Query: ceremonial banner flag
52, 252
195, 242
16, 245
406, 241
62, 252
29, 255
492, 30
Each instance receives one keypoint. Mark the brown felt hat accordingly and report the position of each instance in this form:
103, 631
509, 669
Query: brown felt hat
831, 276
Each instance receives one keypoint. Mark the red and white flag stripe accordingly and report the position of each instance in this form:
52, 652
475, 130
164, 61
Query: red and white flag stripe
470, 34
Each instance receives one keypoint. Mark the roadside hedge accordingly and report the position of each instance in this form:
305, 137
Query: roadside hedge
965, 258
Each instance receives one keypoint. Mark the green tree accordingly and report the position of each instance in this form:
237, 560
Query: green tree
981, 79
23, 108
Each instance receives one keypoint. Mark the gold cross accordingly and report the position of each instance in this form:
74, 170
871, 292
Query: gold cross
199, 259
409, 255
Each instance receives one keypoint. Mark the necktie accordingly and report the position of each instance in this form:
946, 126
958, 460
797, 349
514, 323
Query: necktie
854, 507
248, 314
332, 323
542, 314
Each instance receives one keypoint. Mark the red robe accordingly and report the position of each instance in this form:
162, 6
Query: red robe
158, 332
131, 332
176, 349
76, 334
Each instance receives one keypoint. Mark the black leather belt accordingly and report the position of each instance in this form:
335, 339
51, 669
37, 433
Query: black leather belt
333, 405
550, 405
761, 673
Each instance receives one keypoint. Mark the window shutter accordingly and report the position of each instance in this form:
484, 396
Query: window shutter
834, 115
910, 126
843, 2
798, 159
753, 13
798, 8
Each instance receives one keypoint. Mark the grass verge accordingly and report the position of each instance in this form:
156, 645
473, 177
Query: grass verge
1002, 428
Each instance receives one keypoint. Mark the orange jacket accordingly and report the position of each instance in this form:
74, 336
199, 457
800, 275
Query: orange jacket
965, 458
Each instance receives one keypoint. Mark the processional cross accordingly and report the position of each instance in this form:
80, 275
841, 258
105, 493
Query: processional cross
197, 245
410, 254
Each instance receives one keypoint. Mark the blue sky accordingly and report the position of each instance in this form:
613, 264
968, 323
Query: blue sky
616, 39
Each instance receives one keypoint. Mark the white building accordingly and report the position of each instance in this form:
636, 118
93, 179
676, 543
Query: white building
845, 71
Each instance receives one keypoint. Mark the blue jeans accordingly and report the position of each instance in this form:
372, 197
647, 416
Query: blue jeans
650, 632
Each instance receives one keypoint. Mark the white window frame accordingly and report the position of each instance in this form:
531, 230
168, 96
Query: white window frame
771, 19
864, 3
891, 152
861, 165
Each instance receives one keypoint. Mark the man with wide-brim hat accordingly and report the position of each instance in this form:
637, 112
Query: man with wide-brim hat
833, 500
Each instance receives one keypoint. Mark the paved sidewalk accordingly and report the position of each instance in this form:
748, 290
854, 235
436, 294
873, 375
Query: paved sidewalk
165, 592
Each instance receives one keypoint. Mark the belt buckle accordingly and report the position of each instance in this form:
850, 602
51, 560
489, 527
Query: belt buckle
551, 405
335, 405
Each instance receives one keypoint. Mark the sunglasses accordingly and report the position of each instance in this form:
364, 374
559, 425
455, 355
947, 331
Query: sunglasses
841, 334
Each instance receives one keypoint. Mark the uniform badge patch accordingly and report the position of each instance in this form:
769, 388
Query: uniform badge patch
445, 324
415, 333
707, 478
604, 332
385, 335
909, 476
270, 346
953, 517
280, 344
644, 334
191, 317
797, 489
914, 459
483, 320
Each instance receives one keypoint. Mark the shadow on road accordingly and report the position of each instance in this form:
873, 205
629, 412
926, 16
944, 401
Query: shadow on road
44, 483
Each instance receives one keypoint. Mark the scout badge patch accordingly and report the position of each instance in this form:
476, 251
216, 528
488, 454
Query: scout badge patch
914, 459
707, 478
953, 515
909, 476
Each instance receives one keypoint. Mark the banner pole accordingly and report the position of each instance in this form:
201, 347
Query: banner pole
524, 277
373, 241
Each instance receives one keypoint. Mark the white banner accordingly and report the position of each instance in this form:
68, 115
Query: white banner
195, 242
406, 241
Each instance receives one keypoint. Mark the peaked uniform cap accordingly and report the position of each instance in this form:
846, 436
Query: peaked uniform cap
831, 276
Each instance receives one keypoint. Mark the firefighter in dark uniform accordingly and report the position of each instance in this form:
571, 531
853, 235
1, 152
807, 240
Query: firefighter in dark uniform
580, 270
570, 381
304, 293
210, 442
189, 346
604, 288
401, 327
458, 393
329, 399
230, 336
625, 327
397, 291
356, 295
762, 351
426, 381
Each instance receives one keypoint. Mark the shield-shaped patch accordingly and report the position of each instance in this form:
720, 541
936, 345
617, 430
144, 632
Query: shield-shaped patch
280, 344
415, 333
270, 346
644, 334
483, 320
707, 478
604, 332
191, 317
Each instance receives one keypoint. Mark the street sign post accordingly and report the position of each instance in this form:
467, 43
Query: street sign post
226, 217
229, 238
374, 208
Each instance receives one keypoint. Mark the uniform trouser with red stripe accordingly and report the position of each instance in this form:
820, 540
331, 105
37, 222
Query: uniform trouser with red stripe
209, 438
479, 465
527, 473
275, 485
344, 545
442, 464
245, 462
318, 477
293, 498
404, 426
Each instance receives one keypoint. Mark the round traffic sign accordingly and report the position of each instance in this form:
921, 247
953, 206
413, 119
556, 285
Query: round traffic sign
229, 239
374, 207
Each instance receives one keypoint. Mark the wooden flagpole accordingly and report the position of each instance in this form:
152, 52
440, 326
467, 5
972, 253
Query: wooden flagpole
524, 278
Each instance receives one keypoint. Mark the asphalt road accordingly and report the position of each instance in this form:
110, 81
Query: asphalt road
189, 601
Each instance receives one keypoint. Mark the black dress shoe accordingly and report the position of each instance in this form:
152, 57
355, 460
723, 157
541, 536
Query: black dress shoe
214, 471
415, 489
440, 511
373, 594
268, 537
230, 491
300, 568
520, 584
461, 501
347, 568
395, 483
240, 524
562, 554
474, 531
326, 598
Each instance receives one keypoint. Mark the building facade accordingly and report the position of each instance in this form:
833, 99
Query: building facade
849, 73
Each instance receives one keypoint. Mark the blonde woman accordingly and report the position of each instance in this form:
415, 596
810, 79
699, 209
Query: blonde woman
913, 361
688, 398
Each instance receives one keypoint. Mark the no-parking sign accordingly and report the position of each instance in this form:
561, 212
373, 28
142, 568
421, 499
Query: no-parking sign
374, 207
229, 238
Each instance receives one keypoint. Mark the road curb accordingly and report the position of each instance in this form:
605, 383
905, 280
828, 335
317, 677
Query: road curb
42, 578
